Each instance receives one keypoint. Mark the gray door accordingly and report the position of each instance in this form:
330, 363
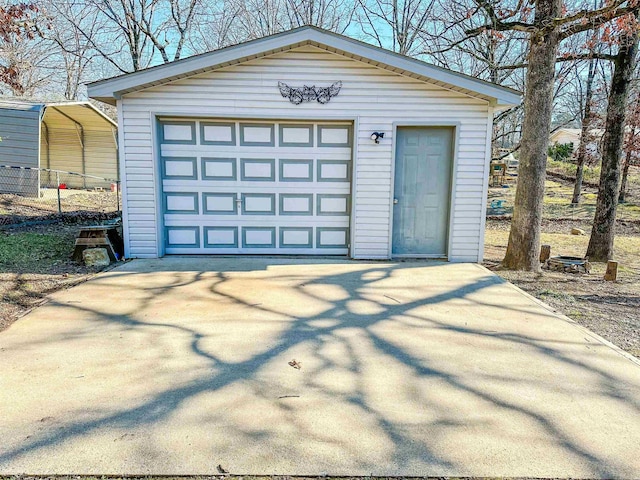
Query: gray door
422, 189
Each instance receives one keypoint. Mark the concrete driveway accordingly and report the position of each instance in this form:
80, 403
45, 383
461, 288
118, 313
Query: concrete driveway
178, 365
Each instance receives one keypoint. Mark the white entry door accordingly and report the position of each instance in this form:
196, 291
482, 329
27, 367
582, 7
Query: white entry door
255, 187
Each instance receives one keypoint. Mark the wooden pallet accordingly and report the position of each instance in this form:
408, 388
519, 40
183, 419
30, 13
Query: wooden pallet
99, 236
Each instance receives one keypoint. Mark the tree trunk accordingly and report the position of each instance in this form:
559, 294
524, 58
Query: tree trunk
625, 173
523, 249
584, 134
602, 233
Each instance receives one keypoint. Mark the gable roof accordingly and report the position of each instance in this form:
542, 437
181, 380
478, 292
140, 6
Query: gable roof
112, 89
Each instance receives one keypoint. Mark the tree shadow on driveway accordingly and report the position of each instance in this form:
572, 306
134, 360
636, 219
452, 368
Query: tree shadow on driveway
414, 368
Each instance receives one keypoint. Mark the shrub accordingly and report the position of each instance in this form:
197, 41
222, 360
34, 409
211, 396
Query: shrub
560, 151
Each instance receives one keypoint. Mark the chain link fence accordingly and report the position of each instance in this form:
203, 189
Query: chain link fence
37, 192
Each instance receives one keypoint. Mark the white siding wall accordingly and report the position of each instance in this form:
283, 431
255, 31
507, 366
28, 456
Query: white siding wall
374, 97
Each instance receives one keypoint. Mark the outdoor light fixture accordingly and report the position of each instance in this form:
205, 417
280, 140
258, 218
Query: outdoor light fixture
376, 136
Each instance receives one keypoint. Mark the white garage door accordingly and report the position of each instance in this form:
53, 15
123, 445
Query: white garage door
255, 187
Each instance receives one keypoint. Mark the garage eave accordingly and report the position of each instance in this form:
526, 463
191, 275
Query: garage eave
109, 90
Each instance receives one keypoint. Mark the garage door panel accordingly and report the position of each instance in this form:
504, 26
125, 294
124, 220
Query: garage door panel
256, 187
182, 168
219, 168
251, 220
296, 204
258, 237
258, 204
185, 203
333, 204
296, 170
257, 135
220, 237
296, 237
252, 152
334, 170
219, 203
217, 133
202, 188
334, 136
257, 169
182, 237
332, 237
178, 132
296, 135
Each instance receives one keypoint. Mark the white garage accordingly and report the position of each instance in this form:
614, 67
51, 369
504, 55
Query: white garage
305, 142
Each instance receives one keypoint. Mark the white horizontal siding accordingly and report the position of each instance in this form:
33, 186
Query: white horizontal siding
374, 97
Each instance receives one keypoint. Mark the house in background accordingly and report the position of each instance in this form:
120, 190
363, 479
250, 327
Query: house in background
563, 136
304, 142
69, 136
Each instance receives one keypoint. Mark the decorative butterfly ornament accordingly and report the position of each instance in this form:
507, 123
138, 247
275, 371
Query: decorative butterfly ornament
306, 93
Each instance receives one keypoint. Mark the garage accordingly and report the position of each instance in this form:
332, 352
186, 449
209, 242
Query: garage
255, 187
305, 142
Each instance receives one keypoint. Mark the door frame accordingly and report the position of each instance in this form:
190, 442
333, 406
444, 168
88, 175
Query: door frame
452, 191
155, 116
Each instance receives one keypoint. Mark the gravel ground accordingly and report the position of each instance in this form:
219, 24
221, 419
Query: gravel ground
16, 208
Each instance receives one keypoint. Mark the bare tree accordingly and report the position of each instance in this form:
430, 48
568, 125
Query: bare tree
69, 47
217, 25
403, 21
587, 120
30, 67
334, 15
631, 144
260, 18
146, 28
17, 62
603, 231
549, 26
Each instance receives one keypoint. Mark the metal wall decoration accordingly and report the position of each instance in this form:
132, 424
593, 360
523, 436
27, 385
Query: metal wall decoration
309, 93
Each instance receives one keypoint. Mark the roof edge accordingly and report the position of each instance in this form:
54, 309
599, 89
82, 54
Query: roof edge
86, 104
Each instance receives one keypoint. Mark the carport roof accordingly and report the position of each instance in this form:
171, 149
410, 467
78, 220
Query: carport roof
112, 89
81, 113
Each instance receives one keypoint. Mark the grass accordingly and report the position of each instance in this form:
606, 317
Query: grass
590, 174
32, 252
557, 202
34, 262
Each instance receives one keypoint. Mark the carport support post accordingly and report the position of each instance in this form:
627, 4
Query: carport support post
84, 161
58, 187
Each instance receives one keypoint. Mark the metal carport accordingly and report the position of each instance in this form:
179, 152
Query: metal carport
68, 136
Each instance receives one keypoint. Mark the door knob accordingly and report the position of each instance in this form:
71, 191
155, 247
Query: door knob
395, 201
